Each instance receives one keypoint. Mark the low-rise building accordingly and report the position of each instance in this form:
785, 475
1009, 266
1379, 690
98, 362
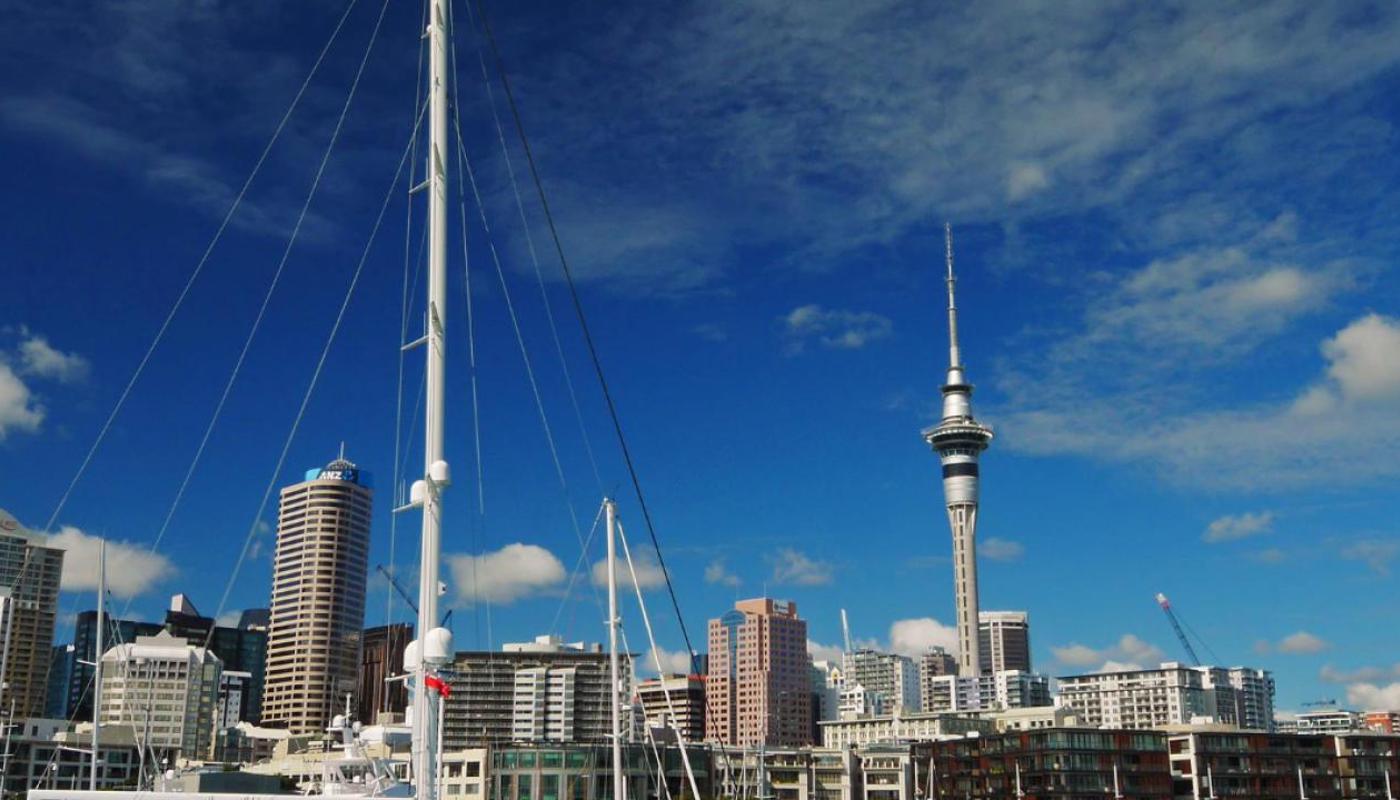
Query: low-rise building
919, 727
1210, 761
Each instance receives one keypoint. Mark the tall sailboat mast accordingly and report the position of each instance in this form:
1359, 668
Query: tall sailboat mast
436, 475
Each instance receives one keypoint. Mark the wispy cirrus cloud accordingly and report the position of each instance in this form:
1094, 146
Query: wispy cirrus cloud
835, 329
1238, 526
841, 121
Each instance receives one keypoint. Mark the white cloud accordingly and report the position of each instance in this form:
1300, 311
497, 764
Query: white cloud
824, 652
717, 572
503, 576
794, 568
1128, 653
18, 411
649, 573
1302, 642
1025, 180
833, 328
42, 360
673, 662
1364, 364
132, 569
1238, 526
1000, 549
911, 637
1374, 553
1369, 696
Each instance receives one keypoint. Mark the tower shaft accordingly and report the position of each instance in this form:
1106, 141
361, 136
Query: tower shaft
959, 441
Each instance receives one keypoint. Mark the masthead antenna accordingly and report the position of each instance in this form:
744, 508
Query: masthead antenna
954, 356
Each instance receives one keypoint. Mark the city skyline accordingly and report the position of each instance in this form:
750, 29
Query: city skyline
1179, 299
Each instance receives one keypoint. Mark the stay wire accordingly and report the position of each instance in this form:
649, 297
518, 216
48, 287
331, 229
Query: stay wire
199, 268
306, 399
478, 529
582, 320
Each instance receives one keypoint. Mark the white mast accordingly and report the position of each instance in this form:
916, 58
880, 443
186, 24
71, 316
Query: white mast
97, 660
1020, 793
436, 475
1117, 790
619, 780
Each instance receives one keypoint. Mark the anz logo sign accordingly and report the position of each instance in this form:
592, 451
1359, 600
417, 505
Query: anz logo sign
351, 475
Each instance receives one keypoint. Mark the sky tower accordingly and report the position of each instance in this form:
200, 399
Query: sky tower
959, 441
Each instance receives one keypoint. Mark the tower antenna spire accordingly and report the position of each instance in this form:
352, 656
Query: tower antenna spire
954, 356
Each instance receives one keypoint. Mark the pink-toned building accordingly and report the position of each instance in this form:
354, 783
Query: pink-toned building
758, 690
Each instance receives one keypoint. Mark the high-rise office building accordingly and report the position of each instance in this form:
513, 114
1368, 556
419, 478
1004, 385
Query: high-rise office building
545, 690
29, 574
759, 687
959, 440
1004, 641
318, 597
381, 659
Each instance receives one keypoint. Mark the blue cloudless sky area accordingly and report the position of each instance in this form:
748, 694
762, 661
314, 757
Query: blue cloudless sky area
1175, 231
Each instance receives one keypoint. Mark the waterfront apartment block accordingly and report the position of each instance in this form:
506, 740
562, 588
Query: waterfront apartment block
318, 597
759, 683
1210, 762
1069, 763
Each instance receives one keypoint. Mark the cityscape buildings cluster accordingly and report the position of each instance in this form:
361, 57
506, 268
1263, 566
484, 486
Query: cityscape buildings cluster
761, 717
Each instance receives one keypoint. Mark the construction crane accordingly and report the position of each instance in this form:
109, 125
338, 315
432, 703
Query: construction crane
1176, 626
1320, 703
407, 598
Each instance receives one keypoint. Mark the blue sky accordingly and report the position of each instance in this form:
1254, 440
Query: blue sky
1175, 230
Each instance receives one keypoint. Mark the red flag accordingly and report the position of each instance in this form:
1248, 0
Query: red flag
438, 684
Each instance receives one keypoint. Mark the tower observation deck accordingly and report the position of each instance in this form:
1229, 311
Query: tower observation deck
959, 440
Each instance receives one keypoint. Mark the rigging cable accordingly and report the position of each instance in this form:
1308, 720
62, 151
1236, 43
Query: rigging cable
583, 322
534, 256
199, 267
316, 374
